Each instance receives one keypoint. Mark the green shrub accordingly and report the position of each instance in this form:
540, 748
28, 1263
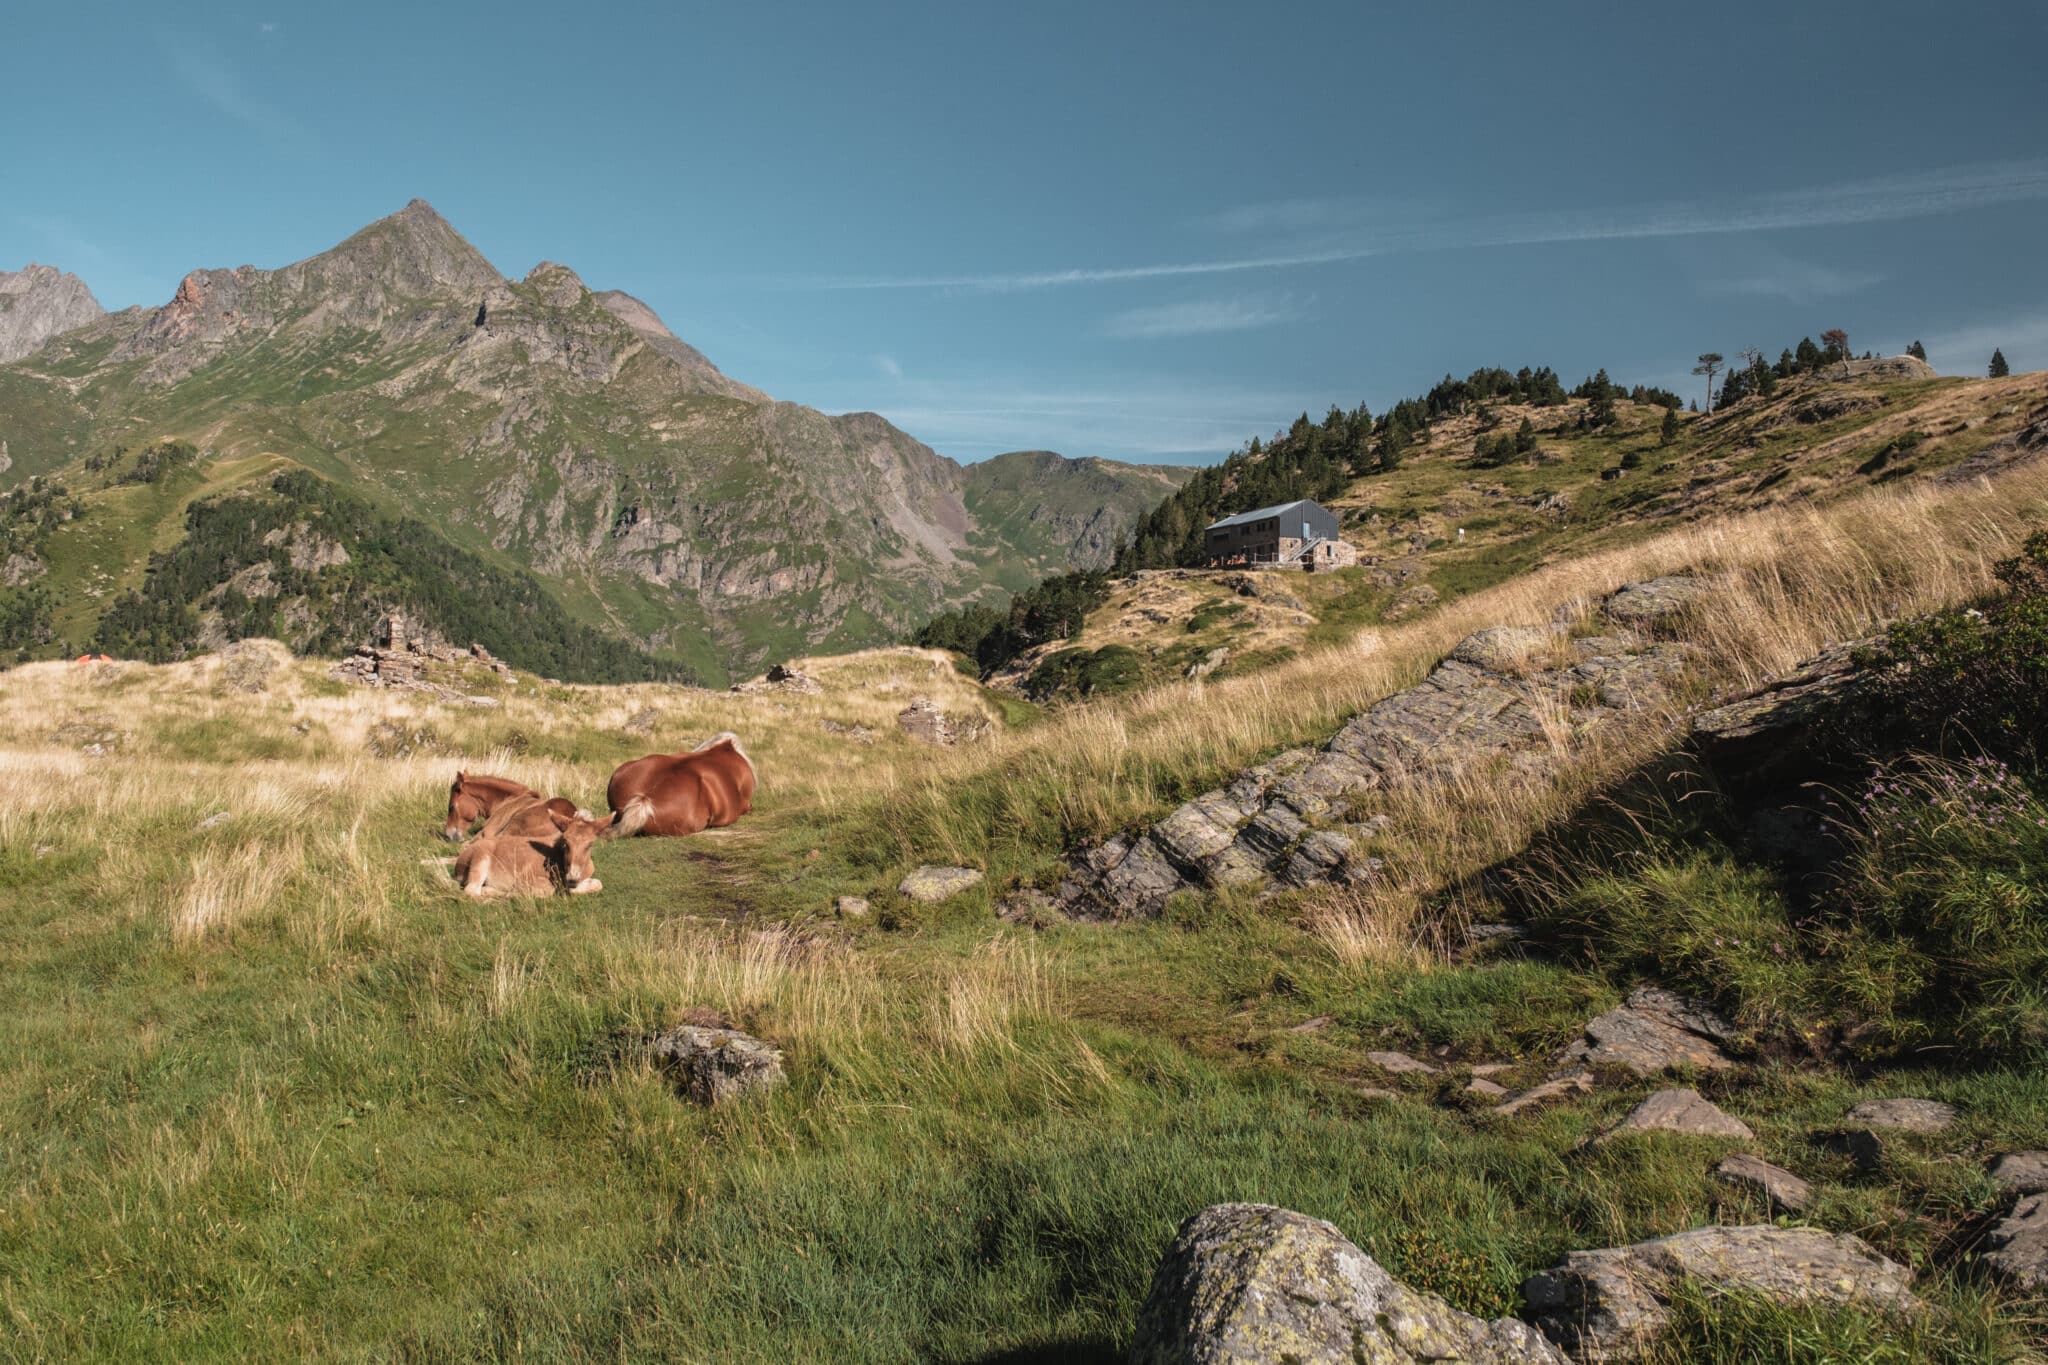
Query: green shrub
1978, 674
1086, 673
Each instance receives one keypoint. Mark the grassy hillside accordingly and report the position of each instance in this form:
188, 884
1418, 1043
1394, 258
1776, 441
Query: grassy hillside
277, 1089
1451, 519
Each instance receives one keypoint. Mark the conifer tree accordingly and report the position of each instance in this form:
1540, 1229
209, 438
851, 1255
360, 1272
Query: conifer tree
1916, 350
1999, 369
1710, 365
1668, 433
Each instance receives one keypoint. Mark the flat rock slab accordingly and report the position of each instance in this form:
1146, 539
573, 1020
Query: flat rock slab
714, 1065
1910, 1116
2021, 1172
1612, 1304
1250, 1284
1683, 1111
850, 907
1654, 1031
2017, 1245
930, 885
1786, 1191
1400, 1063
1578, 1082
1485, 1089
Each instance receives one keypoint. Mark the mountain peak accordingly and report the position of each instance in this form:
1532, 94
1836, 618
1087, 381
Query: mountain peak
36, 303
413, 251
558, 284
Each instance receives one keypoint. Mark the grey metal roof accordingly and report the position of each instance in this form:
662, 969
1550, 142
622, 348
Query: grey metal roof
1260, 514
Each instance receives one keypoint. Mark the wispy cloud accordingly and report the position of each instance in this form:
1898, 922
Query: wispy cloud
205, 73
1202, 317
1952, 189
1146, 419
887, 365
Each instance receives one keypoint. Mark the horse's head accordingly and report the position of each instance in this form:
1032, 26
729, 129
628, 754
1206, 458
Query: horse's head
464, 808
571, 851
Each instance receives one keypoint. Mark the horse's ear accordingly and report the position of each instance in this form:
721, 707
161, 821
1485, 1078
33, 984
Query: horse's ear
460, 777
561, 821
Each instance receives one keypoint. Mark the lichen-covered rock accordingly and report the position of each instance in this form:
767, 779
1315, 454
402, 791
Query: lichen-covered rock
1654, 1031
930, 885
713, 1065
1683, 1111
1611, 1304
1249, 1284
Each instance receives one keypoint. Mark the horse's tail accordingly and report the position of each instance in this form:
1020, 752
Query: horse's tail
630, 818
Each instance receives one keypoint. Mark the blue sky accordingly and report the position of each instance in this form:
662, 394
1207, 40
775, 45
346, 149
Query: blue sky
1141, 231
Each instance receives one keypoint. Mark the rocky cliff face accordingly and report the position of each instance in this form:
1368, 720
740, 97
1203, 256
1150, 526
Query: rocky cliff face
40, 302
574, 433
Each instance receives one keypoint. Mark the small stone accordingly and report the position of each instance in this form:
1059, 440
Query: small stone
1683, 1111
929, 885
1400, 1063
1785, 1191
1911, 1116
2017, 1245
1554, 1088
1320, 1022
2021, 1172
714, 1065
1492, 1068
1485, 1089
850, 907
1028, 905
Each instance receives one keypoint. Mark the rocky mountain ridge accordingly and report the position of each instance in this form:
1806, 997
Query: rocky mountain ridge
567, 432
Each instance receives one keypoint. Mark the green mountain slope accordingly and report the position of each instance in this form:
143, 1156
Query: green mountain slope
544, 429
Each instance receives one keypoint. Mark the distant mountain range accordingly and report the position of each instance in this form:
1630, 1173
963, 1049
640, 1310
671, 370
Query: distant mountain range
536, 426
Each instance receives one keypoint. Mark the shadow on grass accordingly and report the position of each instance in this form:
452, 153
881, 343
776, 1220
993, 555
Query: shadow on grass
1067, 1351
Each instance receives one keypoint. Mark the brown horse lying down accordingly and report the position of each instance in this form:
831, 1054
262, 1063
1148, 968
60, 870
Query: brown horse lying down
530, 817
675, 794
516, 865
471, 798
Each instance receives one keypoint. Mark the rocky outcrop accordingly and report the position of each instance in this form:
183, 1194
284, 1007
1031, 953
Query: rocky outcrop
40, 302
401, 657
2020, 1172
2023, 447
1612, 1304
1776, 730
715, 1065
924, 721
1250, 1284
1303, 818
1655, 1031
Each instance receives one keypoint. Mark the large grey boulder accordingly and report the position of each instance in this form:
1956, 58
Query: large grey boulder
1611, 1304
1250, 1284
1656, 1030
713, 1065
2017, 1245
1774, 731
